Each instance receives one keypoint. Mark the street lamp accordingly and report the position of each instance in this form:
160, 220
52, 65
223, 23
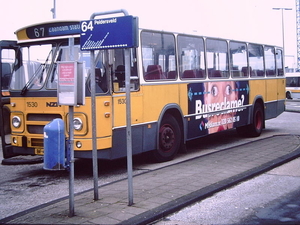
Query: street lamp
53, 10
282, 24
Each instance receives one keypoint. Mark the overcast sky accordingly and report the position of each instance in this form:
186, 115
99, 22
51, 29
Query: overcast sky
248, 20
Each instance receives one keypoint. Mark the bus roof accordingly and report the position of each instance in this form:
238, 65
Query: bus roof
59, 29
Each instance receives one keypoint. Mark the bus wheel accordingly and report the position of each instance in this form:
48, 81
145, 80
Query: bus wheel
169, 139
257, 125
254, 129
288, 95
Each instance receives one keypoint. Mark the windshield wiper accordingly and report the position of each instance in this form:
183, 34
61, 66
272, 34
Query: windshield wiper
58, 59
37, 75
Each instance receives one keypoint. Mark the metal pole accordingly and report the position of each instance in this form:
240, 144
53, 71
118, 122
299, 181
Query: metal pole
128, 126
53, 10
71, 143
95, 158
94, 130
282, 25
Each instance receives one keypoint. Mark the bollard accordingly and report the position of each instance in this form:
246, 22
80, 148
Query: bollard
54, 145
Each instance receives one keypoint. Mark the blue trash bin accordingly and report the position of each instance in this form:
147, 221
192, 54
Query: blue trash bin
54, 145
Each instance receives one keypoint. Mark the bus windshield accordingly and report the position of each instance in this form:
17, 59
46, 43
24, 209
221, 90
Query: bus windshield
31, 67
36, 67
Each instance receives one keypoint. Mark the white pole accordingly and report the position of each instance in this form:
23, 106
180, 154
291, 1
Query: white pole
128, 126
71, 143
282, 25
53, 10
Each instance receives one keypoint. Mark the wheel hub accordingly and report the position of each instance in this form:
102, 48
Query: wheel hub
167, 138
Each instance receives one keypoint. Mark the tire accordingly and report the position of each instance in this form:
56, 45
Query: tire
255, 128
288, 95
169, 138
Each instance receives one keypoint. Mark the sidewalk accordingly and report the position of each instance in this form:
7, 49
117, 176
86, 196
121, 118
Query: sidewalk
160, 192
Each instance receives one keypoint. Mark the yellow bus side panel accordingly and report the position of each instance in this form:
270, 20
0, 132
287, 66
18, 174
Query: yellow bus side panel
272, 93
183, 98
281, 83
257, 87
119, 114
270, 89
157, 97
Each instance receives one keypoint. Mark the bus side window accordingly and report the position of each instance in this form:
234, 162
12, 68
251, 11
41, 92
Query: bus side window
154, 72
270, 61
158, 53
217, 58
191, 57
279, 62
238, 56
256, 60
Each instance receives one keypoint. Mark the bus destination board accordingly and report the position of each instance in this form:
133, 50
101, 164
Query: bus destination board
109, 33
47, 30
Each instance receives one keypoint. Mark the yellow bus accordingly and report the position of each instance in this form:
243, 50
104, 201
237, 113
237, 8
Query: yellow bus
292, 85
183, 86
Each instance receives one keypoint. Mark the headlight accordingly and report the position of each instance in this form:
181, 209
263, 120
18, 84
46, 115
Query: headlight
77, 123
16, 121
78, 144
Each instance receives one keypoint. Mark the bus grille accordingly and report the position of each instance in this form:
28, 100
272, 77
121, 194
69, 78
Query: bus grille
36, 142
43, 117
40, 119
35, 129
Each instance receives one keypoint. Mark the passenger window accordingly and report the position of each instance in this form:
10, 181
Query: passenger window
279, 62
238, 56
292, 82
191, 57
118, 78
256, 60
270, 61
217, 58
158, 53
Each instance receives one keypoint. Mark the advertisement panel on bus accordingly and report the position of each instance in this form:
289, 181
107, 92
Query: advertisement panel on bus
217, 106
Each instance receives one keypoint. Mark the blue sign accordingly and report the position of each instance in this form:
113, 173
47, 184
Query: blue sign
108, 33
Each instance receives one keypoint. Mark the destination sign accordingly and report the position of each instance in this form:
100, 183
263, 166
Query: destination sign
49, 30
109, 33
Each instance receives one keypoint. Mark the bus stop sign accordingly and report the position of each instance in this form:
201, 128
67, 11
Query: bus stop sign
108, 33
